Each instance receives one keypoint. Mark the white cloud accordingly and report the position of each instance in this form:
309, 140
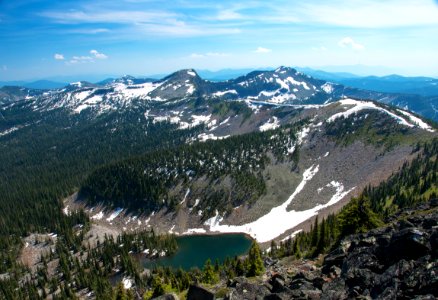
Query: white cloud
262, 50
349, 42
157, 23
90, 31
87, 58
81, 59
84, 58
208, 54
113, 17
182, 29
361, 13
98, 55
58, 56
228, 14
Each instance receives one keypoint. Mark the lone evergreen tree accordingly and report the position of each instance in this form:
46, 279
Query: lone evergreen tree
209, 274
255, 260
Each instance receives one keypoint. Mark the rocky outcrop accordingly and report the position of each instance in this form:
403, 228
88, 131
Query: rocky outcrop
171, 296
399, 261
199, 293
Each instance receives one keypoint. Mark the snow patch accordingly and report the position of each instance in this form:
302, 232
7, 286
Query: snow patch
327, 87
82, 95
78, 84
204, 137
194, 205
190, 89
98, 216
219, 94
196, 120
361, 105
254, 108
224, 121
8, 131
302, 134
185, 196
214, 221
80, 108
195, 230
274, 223
420, 123
270, 124
114, 214
66, 211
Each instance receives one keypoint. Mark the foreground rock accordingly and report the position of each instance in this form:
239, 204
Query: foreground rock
399, 261
199, 293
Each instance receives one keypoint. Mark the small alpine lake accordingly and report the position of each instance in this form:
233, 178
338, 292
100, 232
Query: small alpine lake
194, 250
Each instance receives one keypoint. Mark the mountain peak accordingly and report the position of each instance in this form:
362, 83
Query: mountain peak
283, 69
184, 73
81, 84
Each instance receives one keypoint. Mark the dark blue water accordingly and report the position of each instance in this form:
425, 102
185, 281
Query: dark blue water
193, 251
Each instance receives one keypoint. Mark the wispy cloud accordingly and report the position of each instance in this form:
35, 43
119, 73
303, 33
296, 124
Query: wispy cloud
98, 55
349, 42
58, 56
94, 54
182, 29
154, 23
109, 17
359, 14
209, 54
80, 59
339, 13
228, 14
262, 50
89, 31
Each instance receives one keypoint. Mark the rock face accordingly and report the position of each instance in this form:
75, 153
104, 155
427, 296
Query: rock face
167, 297
199, 293
399, 261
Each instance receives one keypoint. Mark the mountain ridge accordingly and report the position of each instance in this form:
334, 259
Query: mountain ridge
283, 85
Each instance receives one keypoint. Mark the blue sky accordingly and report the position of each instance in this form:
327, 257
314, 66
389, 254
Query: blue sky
41, 38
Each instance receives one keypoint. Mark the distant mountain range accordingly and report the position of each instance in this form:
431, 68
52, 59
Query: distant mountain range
395, 84
39, 84
425, 86
282, 86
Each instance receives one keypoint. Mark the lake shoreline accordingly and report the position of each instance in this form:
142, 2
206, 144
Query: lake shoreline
195, 249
